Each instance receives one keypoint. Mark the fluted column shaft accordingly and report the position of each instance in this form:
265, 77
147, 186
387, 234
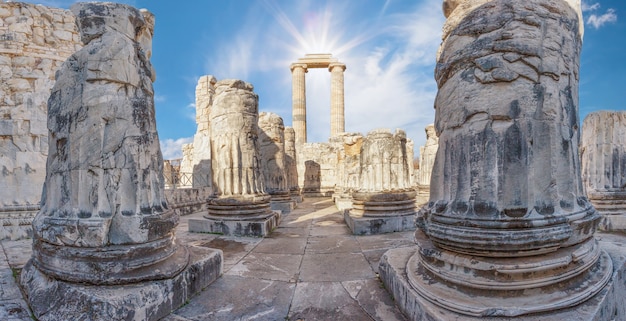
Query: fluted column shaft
298, 72
337, 118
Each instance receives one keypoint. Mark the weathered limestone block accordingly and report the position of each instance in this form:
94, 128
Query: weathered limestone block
384, 200
317, 169
104, 219
205, 91
272, 149
349, 167
239, 204
603, 155
508, 230
291, 164
28, 62
186, 166
427, 160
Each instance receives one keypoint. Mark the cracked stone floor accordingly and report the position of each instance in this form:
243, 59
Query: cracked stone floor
309, 268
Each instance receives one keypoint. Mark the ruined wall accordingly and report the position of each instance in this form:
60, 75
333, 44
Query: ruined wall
34, 41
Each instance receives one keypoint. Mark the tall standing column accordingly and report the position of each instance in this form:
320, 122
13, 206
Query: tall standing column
299, 101
337, 119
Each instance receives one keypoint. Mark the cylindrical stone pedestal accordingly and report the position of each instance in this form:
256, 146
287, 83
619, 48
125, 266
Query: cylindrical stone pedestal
337, 118
272, 148
508, 229
298, 119
239, 204
603, 158
385, 200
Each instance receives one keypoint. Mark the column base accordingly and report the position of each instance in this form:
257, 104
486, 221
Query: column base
398, 273
16, 222
254, 226
343, 201
379, 225
282, 202
51, 299
612, 207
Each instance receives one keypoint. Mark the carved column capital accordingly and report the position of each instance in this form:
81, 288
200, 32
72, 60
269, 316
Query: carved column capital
333, 65
298, 65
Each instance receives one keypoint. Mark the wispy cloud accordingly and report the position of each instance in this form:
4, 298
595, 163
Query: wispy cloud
590, 7
172, 148
598, 20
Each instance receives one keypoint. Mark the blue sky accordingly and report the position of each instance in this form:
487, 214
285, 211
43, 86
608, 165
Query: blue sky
389, 48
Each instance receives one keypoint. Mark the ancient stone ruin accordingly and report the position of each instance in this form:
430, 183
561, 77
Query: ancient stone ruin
291, 165
603, 156
426, 163
384, 200
104, 220
272, 149
239, 204
508, 230
34, 42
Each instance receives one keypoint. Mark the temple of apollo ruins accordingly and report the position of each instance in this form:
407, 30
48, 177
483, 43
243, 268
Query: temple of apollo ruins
516, 209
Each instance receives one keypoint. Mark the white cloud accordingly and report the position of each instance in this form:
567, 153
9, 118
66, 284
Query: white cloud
390, 59
190, 112
172, 148
590, 7
598, 21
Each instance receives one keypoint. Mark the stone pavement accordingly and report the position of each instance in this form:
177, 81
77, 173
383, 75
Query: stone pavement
309, 268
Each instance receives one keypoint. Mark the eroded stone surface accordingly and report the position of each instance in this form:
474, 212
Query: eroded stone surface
426, 163
104, 227
239, 204
508, 230
201, 160
35, 42
273, 159
291, 164
384, 200
603, 157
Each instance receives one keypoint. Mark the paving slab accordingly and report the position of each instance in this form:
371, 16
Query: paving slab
234, 248
335, 267
277, 267
374, 299
329, 230
238, 298
283, 245
18, 252
333, 244
325, 301
289, 232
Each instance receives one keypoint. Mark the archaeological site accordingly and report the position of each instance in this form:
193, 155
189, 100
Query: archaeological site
514, 209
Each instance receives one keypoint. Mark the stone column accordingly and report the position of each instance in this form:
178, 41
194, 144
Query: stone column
508, 230
298, 120
104, 219
239, 204
603, 154
337, 119
427, 161
348, 147
384, 200
205, 90
291, 165
186, 167
272, 148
